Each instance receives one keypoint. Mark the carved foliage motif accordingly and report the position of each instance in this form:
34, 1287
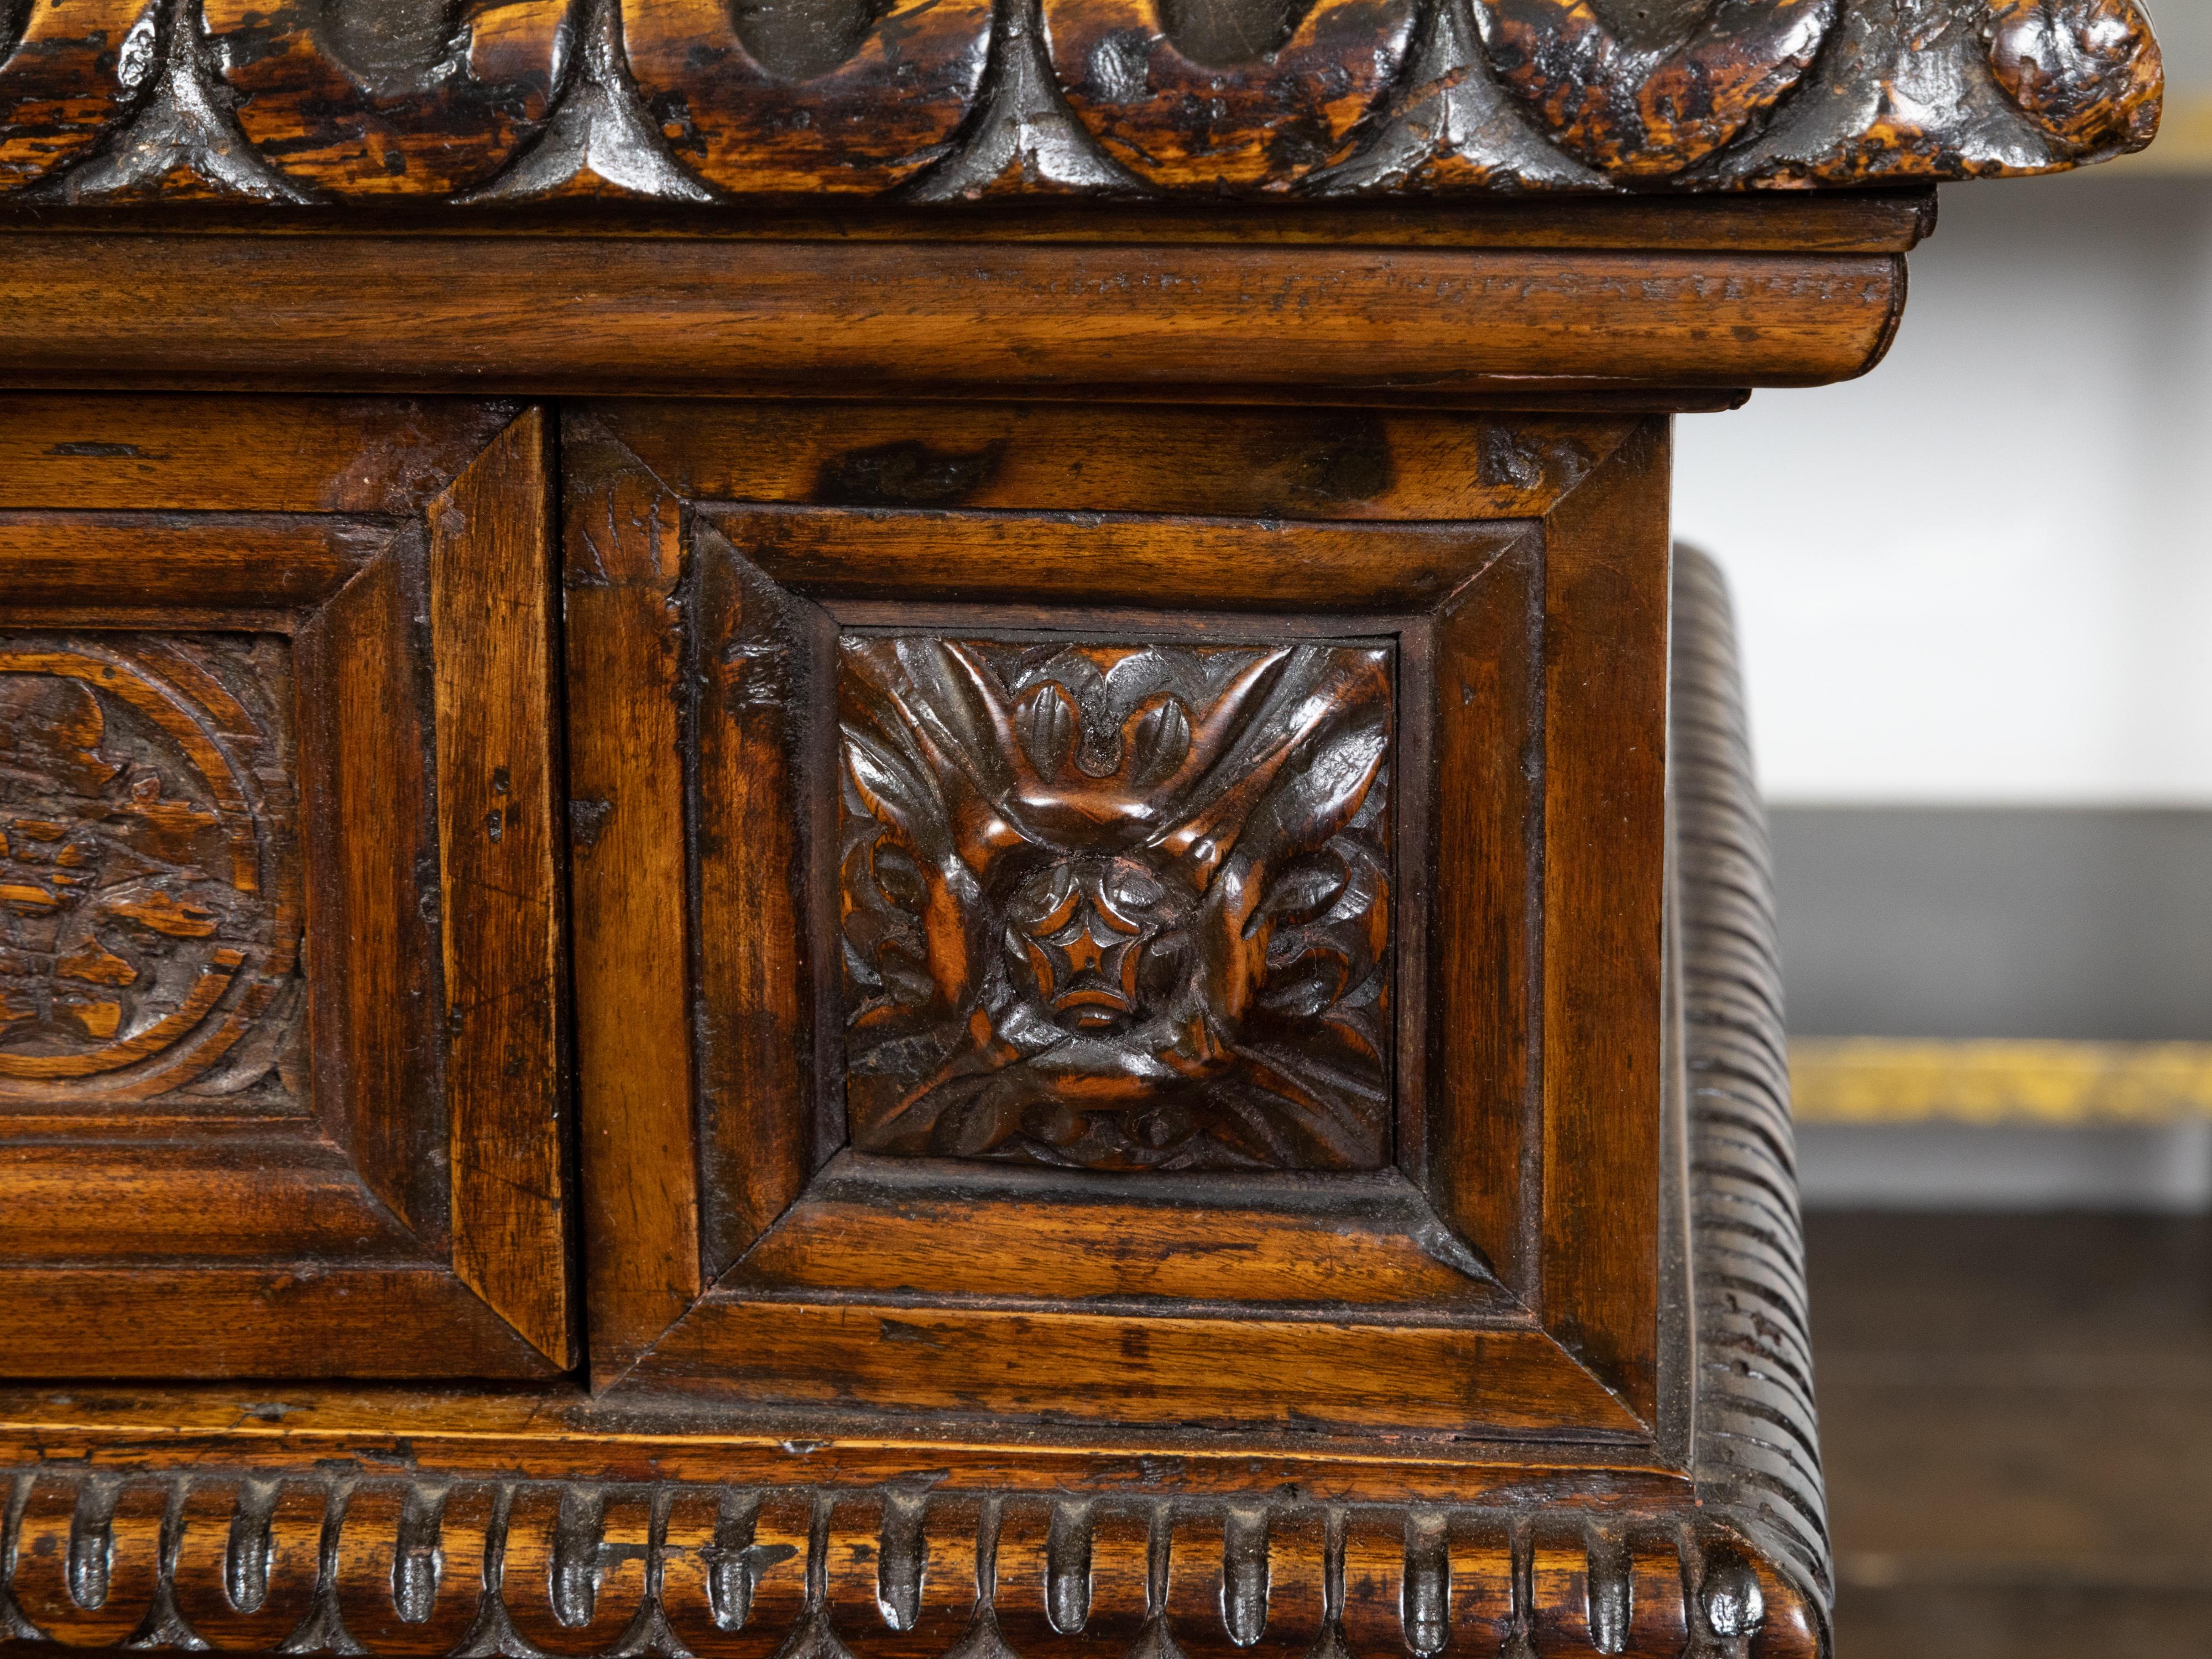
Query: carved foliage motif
149, 902
1117, 906
929, 99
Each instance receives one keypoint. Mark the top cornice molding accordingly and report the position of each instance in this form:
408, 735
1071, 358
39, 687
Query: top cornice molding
477, 101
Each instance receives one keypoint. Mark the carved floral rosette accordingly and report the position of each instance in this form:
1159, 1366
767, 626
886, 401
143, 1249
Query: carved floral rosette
149, 890
1118, 906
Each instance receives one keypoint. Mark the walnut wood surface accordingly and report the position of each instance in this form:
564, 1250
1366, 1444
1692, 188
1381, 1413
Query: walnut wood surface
228, 726
622, 561
491, 598
1184, 320
423, 1566
362, 456
1168, 943
893, 774
152, 874
248, 1522
1878, 219
697, 101
1757, 1441
1605, 702
873, 1224
1343, 464
1123, 1036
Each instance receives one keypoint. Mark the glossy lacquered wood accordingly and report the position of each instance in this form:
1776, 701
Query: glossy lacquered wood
258, 1517
1890, 219
1111, 763
736, 1572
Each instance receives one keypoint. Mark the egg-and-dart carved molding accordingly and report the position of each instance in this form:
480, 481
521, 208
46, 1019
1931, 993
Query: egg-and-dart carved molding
483, 101
312, 1563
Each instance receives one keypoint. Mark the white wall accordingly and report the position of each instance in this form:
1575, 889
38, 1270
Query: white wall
1984, 572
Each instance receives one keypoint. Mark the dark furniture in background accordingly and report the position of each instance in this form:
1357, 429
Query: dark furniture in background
899, 829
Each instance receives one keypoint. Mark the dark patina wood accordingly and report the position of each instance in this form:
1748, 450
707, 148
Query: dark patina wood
1035, 925
1189, 318
699, 100
225, 729
1459, 1137
559, 1521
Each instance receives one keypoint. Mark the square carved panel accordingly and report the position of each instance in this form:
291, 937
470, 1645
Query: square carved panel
281, 1090
1166, 968
1117, 905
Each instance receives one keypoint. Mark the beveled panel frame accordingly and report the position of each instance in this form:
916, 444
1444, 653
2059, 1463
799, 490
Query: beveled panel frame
1184, 579
391, 560
1504, 1275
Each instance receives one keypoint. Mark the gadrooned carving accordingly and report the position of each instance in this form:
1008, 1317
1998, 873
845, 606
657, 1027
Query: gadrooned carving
149, 906
1118, 906
1757, 1450
296, 1560
700, 99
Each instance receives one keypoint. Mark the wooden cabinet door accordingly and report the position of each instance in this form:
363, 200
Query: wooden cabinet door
281, 1069
1096, 917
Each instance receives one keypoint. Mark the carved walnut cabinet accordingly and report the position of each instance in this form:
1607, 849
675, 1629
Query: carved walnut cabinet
875, 828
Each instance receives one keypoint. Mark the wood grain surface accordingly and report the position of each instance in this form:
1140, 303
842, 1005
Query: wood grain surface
560, 1431
492, 597
1604, 781
256, 728
366, 456
873, 671
271, 1514
1032, 1235
640, 1147
1327, 464
1756, 1449
397, 1565
1204, 321
1440, 1379
362, 101
1877, 219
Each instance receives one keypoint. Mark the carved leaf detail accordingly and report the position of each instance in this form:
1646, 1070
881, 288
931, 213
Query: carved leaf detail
149, 905
1114, 906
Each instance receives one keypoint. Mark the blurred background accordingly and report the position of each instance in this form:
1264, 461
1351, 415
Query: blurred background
1974, 596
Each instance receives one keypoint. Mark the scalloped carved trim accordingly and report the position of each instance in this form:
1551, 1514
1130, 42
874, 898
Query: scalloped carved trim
181, 135
1447, 97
